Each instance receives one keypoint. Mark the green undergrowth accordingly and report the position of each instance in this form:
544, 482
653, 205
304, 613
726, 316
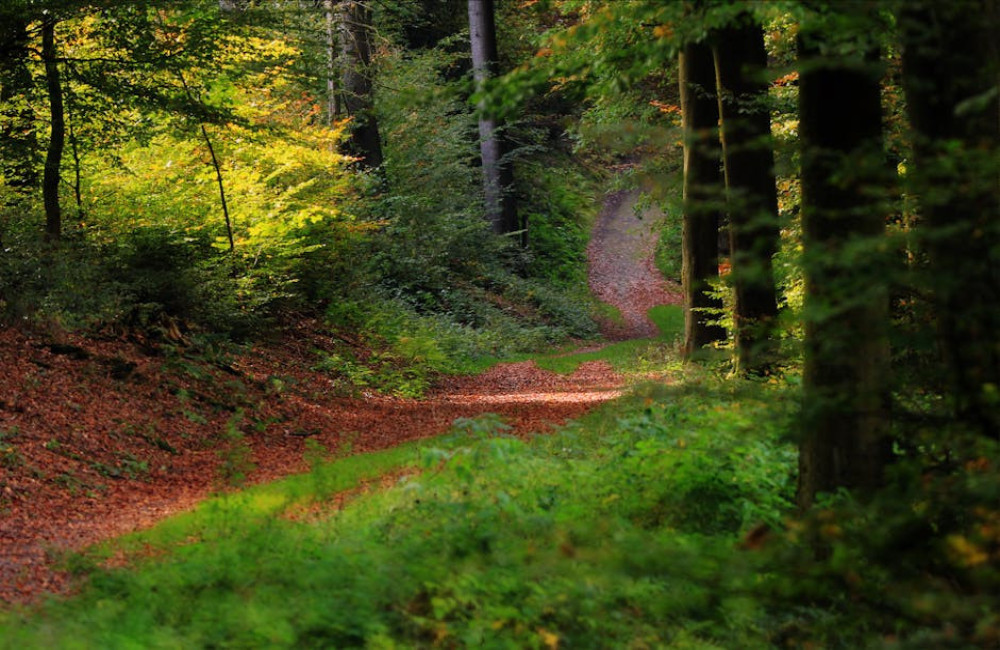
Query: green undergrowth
619, 530
635, 354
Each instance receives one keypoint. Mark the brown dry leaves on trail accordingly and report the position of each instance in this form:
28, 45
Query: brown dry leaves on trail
99, 437
85, 456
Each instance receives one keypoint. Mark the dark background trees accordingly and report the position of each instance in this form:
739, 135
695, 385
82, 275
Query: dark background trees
18, 135
950, 66
845, 206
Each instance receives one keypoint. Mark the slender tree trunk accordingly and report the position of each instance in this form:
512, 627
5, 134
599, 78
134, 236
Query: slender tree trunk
332, 91
845, 182
951, 75
354, 26
216, 166
222, 188
77, 182
74, 148
498, 175
18, 139
57, 139
751, 192
703, 191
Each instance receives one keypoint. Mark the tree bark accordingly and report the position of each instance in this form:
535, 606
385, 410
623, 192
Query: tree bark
951, 77
751, 192
845, 182
703, 192
354, 31
57, 139
498, 175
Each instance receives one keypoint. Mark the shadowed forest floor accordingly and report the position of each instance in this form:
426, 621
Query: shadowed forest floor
99, 437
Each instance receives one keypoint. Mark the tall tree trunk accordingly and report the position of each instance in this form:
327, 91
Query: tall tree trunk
354, 27
845, 182
498, 175
18, 139
57, 139
703, 191
951, 75
332, 89
751, 192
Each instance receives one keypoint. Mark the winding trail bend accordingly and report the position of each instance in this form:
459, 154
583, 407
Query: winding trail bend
622, 268
74, 421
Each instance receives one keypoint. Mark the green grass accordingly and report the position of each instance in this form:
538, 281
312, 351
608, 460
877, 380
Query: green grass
625, 355
617, 531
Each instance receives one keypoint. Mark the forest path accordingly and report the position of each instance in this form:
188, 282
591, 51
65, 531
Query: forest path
623, 272
72, 426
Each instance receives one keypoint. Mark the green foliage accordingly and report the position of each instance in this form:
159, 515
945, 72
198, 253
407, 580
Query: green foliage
917, 566
235, 454
128, 467
559, 229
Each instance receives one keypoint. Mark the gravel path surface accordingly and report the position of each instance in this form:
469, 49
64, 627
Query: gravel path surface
622, 269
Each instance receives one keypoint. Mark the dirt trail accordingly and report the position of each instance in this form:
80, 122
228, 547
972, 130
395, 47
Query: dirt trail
622, 268
89, 451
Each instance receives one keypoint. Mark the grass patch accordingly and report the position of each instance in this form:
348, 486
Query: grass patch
637, 354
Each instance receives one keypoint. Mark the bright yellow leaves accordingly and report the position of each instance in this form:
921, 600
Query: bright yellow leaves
788, 79
663, 31
549, 639
665, 108
965, 553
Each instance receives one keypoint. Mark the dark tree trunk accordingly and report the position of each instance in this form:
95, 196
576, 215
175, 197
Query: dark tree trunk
57, 139
845, 182
18, 139
703, 191
498, 175
751, 192
354, 27
951, 73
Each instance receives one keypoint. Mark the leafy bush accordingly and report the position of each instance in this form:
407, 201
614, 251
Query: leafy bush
918, 566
